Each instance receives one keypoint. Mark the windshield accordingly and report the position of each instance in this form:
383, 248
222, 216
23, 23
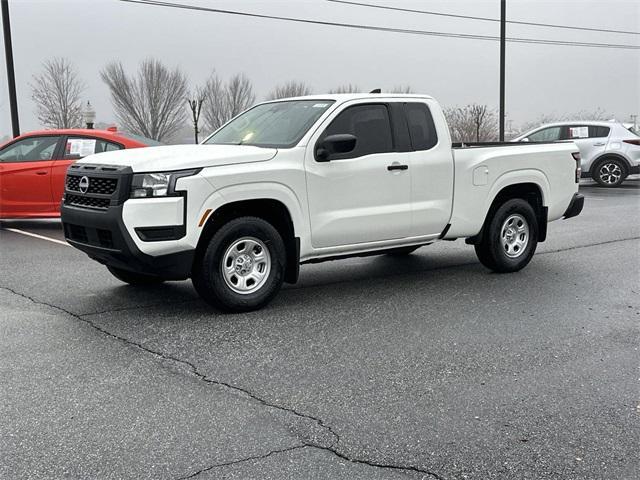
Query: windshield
276, 124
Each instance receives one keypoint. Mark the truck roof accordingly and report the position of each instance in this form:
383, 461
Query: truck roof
343, 97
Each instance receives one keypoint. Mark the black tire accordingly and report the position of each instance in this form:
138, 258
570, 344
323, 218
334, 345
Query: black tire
609, 172
209, 280
493, 253
402, 251
133, 278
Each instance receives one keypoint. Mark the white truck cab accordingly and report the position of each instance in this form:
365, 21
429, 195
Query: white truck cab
310, 179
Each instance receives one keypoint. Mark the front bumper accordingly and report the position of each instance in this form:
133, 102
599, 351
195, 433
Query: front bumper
103, 236
575, 206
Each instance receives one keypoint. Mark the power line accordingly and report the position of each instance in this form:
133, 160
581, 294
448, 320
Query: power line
485, 19
159, 3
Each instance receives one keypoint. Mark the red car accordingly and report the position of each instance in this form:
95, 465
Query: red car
33, 167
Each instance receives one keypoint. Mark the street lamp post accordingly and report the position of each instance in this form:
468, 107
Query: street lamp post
11, 78
89, 115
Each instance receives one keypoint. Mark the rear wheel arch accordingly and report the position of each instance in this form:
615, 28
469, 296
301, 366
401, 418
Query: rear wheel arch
609, 156
530, 192
272, 211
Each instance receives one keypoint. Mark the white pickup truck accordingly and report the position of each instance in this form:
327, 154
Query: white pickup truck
310, 179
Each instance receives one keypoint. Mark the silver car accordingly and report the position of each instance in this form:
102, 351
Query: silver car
609, 151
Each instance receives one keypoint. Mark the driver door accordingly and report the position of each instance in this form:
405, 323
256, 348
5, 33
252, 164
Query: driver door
25, 176
364, 195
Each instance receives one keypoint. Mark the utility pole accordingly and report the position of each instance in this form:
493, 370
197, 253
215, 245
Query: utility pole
195, 106
503, 27
11, 77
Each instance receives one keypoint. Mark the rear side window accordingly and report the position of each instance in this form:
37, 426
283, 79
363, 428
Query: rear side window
575, 132
79, 147
421, 126
596, 131
369, 124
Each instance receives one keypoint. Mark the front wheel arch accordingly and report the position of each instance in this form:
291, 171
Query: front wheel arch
270, 210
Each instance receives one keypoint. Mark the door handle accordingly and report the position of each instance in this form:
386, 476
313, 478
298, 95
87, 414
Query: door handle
41, 172
397, 166
598, 144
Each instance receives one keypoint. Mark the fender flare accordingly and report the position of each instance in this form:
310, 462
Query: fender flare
514, 178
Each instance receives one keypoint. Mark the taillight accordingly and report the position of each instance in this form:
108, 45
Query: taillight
633, 142
576, 157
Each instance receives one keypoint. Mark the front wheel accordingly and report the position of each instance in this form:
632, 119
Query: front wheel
510, 237
243, 266
609, 173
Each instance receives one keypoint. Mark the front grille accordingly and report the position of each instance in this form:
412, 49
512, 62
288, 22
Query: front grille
101, 186
86, 202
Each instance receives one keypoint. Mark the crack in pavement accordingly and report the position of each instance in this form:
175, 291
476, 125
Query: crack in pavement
247, 459
332, 448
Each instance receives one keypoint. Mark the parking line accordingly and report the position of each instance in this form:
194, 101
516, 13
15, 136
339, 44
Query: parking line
35, 235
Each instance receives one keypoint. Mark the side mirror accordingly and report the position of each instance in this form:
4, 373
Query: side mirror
338, 143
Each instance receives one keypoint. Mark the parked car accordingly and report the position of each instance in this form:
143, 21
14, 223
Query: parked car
33, 167
307, 180
610, 152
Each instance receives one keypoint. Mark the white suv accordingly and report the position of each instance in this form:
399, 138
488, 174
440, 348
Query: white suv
610, 152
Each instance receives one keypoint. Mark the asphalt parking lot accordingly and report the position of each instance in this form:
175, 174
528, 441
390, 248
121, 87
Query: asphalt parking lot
421, 367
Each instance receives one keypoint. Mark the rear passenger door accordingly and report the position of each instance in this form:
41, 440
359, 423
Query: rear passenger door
431, 165
591, 140
355, 198
75, 148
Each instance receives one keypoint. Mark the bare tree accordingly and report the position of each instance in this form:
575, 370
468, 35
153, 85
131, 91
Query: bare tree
472, 123
289, 89
57, 93
151, 103
224, 101
347, 88
239, 93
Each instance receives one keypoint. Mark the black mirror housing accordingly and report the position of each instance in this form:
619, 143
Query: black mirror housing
337, 143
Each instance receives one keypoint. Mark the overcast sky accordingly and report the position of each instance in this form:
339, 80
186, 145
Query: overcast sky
540, 78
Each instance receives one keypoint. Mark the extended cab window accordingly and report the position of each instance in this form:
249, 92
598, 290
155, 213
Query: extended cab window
369, 124
274, 124
32, 149
550, 134
79, 147
421, 126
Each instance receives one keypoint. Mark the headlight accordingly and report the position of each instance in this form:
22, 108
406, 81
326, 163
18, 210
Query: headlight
160, 184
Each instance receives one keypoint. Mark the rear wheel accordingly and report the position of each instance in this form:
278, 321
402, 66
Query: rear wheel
243, 266
510, 237
610, 172
133, 278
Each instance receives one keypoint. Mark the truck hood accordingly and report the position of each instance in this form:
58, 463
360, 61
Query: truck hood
181, 157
